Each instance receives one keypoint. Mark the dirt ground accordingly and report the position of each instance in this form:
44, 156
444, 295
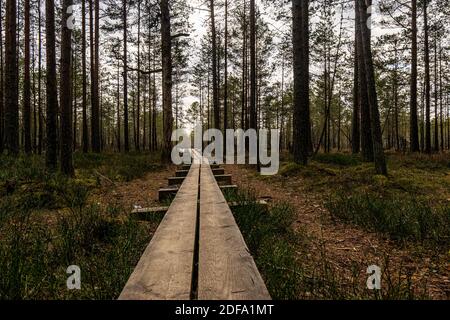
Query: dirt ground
346, 245
142, 192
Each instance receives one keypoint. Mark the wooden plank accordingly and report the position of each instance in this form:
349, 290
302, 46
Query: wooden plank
175, 181
167, 193
226, 269
224, 178
165, 270
142, 212
182, 173
219, 171
154, 210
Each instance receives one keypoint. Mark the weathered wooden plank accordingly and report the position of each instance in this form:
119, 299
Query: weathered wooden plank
219, 171
182, 173
165, 270
175, 181
226, 269
224, 178
167, 193
143, 212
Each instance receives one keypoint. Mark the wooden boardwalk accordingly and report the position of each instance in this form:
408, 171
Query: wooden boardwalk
198, 251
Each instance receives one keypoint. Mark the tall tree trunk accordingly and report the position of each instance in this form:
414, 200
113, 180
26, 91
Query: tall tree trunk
253, 89
74, 97
138, 111
52, 96
65, 90
225, 95
378, 151
427, 82
166, 50
95, 112
125, 77
244, 68
11, 126
85, 133
27, 82
40, 115
2, 104
395, 89
366, 133
119, 147
436, 96
302, 124
414, 126
441, 101
356, 123
214, 67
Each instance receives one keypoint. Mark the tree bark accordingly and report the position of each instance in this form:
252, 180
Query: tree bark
302, 125
27, 82
366, 134
11, 126
377, 138
356, 123
427, 82
52, 96
65, 91
414, 126
166, 51
40, 115
214, 67
125, 77
95, 112
85, 133
2, 88
225, 95
253, 89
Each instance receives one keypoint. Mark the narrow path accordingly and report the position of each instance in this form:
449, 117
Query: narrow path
347, 245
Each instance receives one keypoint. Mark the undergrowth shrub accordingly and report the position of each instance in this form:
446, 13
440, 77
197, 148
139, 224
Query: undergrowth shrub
295, 265
402, 218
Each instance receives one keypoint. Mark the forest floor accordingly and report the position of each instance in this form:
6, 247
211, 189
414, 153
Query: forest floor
48, 222
344, 216
347, 245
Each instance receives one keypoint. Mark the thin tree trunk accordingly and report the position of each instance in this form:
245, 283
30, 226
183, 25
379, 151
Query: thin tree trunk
52, 97
166, 50
95, 103
356, 123
40, 115
427, 83
414, 127
300, 37
441, 120
125, 77
225, 95
85, 133
74, 97
65, 91
11, 122
2, 88
138, 111
214, 67
27, 82
436, 96
119, 146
